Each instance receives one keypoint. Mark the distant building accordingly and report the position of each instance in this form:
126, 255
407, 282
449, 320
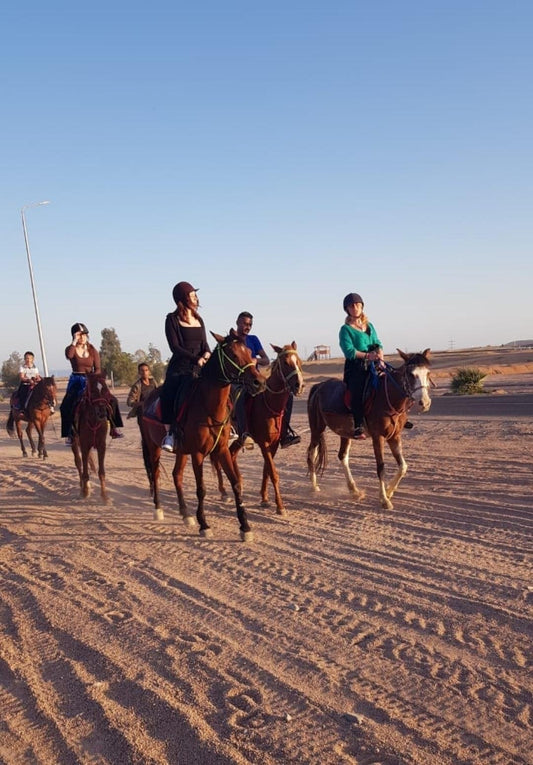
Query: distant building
320, 352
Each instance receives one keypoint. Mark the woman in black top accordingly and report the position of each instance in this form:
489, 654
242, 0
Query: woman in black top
187, 339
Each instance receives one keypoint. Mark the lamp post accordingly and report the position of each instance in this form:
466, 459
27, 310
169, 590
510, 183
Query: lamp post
39, 330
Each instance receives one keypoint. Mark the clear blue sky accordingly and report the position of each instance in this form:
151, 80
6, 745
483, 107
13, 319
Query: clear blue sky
278, 155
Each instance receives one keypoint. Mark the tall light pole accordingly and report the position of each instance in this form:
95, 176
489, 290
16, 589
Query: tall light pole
39, 330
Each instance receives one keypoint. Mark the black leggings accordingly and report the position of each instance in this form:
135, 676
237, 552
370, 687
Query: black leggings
355, 377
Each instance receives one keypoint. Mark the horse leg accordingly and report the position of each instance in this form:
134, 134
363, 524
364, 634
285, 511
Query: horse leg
29, 433
177, 475
316, 456
85, 489
270, 472
75, 446
395, 445
377, 442
41, 449
344, 457
220, 478
21, 438
234, 450
197, 460
101, 465
233, 477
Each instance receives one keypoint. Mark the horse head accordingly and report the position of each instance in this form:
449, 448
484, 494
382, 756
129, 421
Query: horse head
97, 393
416, 380
289, 366
50, 390
232, 362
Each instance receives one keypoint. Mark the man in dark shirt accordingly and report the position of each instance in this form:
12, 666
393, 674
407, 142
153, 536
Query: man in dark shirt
139, 391
288, 436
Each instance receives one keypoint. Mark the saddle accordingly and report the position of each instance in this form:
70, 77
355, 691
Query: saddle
337, 399
152, 407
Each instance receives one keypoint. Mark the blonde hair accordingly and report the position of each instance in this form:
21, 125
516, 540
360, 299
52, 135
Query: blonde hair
363, 318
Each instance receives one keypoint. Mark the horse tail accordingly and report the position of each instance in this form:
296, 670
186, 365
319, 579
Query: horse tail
319, 461
10, 424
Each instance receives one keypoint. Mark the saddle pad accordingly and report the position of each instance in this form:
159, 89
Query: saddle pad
152, 409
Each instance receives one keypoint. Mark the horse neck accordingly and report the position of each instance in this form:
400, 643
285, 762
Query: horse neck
394, 389
214, 398
276, 394
39, 398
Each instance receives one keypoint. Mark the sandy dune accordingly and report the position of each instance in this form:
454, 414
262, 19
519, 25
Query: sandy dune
344, 634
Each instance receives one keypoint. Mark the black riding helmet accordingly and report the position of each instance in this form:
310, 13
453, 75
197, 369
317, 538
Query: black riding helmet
79, 327
350, 299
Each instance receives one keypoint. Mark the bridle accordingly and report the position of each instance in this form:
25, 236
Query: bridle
99, 400
403, 386
223, 357
285, 377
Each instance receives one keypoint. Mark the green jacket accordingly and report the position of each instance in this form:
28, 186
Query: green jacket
352, 340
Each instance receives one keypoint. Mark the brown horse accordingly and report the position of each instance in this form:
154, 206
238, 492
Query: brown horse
385, 416
41, 402
90, 431
204, 429
265, 413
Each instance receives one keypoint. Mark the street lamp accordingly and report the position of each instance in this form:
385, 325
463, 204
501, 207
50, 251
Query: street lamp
39, 330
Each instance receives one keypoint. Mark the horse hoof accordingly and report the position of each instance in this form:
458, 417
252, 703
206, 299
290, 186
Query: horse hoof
159, 515
247, 536
206, 533
316, 489
264, 503
387, 505
189, 520
281, 511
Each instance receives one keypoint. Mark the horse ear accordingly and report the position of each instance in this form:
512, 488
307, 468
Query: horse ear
427, 353
218, 338
294, 346
402, 354
277, 348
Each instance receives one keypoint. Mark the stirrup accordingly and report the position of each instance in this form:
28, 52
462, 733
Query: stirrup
290, 439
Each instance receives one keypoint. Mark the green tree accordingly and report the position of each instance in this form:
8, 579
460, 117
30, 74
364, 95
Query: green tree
110, 351
154, 361
10, 370
124, 369
157, 365
116, 364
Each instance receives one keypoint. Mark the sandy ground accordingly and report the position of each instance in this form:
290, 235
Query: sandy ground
344, 634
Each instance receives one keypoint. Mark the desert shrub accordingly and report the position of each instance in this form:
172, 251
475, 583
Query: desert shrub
467, 381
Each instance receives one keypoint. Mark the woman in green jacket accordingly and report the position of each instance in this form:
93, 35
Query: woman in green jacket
360, 344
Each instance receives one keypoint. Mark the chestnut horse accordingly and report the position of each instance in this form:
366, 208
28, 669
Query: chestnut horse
90, 431
385, 416
36, 413
265, 413
204, 429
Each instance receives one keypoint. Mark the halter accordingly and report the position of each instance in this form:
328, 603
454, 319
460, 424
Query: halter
404, 386
222, 357
285, 378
